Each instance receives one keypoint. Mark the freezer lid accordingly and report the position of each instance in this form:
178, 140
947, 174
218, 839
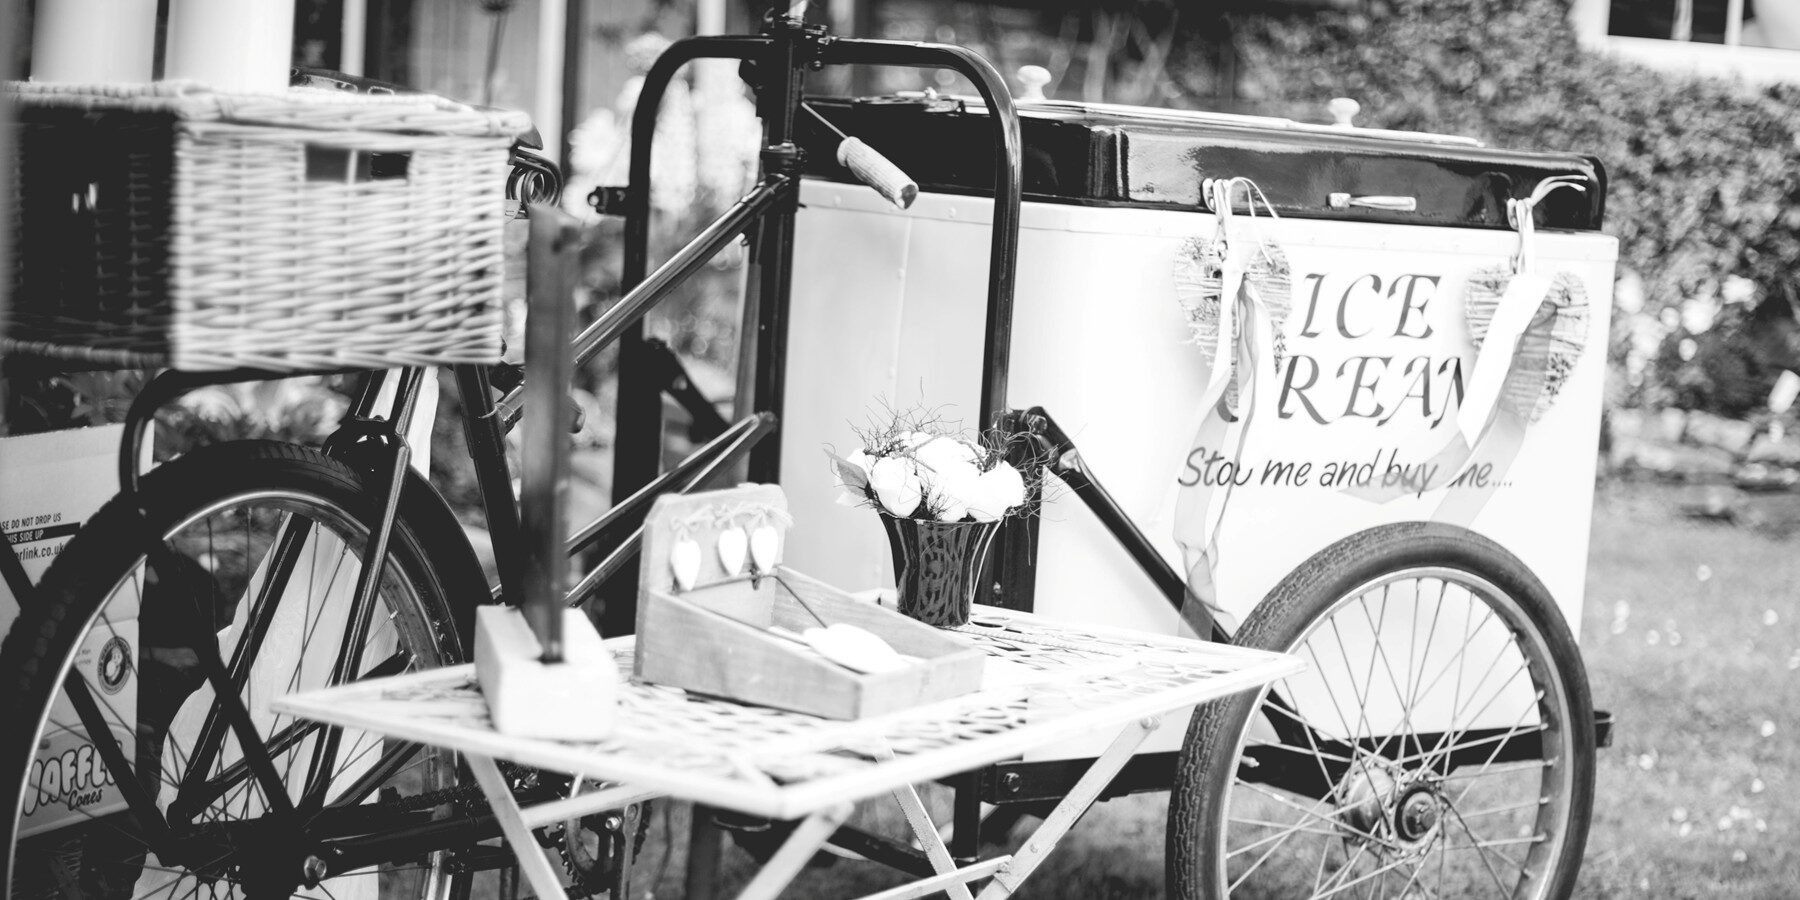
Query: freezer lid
1097, 154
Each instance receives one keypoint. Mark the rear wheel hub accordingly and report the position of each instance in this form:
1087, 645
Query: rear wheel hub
1417, 814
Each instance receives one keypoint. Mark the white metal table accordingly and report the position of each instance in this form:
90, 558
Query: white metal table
1046, 682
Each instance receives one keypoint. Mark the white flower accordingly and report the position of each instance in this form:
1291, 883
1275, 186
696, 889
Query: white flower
951, 487
897, 485
1000, 489
942, 453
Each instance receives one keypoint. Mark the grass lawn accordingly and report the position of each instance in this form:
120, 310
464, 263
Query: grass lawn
1692, 638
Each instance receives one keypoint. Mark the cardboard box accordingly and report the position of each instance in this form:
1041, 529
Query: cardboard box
50, 484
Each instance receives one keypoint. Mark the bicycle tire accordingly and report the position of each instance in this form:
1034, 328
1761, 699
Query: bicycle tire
1390, 804
430, 587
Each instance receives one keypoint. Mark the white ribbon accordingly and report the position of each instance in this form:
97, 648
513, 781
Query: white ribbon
1244, 351
1513, 315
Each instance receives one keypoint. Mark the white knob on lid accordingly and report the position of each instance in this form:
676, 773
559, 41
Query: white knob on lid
1032, 80
1343, 110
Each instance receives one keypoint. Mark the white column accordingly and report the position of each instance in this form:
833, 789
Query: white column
93, 40
552, 23
355, 36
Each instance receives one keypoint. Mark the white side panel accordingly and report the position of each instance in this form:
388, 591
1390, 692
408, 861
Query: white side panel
1100, 342
844, 352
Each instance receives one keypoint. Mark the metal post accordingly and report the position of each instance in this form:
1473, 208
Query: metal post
782, 71
550, 316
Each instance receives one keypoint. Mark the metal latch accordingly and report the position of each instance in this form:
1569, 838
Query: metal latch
1392, 204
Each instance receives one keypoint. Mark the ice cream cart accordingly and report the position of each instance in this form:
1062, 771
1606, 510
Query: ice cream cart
1325, 391
1362, 530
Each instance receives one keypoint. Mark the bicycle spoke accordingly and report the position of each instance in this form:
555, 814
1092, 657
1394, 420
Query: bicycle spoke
1278, 838
1349, 732
1524, 666
1375, 629
1348, 885
1501, 885
1334, 822
1362, 700
1319, 872
1438, 755
1317, 754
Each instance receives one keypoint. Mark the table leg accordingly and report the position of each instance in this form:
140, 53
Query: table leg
706, 841
920, 820
965, 818
1070, 808
800, 846
537, 869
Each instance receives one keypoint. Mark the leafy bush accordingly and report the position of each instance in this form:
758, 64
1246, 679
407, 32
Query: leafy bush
1705, 174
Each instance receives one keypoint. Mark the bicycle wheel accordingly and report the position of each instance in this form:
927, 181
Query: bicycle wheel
135, 625
1440, 744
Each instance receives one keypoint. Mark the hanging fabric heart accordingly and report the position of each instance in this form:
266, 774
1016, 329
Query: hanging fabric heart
732, 543
766, 524
1528, 329
765, 548
684, 561
1548, 349
1237, 292
1200, 284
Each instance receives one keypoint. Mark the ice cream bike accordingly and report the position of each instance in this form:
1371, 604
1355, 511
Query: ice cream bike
1317, 406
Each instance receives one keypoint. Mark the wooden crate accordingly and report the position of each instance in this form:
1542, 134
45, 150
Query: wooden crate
713, 639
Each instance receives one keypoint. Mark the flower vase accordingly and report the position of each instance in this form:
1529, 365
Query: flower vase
937, 566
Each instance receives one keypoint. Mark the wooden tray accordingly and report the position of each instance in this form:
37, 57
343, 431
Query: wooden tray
712, 638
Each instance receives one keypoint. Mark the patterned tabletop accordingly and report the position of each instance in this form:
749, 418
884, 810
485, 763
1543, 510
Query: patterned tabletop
1045, 682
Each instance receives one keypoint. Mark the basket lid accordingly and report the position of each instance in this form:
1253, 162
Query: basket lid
316, 109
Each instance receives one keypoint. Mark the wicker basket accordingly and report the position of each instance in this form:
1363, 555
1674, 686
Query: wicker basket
168, 225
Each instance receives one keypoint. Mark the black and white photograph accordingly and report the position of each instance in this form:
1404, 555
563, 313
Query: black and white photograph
896, 449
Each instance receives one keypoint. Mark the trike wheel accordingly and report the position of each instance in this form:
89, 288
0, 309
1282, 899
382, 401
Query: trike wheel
1440, 743
129, 615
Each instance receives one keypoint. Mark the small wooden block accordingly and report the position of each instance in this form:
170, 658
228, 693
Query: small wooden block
572, 700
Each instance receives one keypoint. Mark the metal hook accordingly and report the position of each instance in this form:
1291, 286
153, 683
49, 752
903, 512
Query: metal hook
1518, 209
1519, 214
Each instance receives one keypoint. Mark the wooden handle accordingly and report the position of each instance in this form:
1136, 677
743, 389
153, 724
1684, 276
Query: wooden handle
877, 172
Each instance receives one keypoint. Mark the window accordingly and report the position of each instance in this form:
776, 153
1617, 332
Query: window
1754, 41
1733, 23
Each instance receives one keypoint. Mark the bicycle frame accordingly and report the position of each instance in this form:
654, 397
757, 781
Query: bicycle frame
373, 438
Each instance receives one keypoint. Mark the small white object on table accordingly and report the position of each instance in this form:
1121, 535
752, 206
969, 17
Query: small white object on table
571, 699
1066, 681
